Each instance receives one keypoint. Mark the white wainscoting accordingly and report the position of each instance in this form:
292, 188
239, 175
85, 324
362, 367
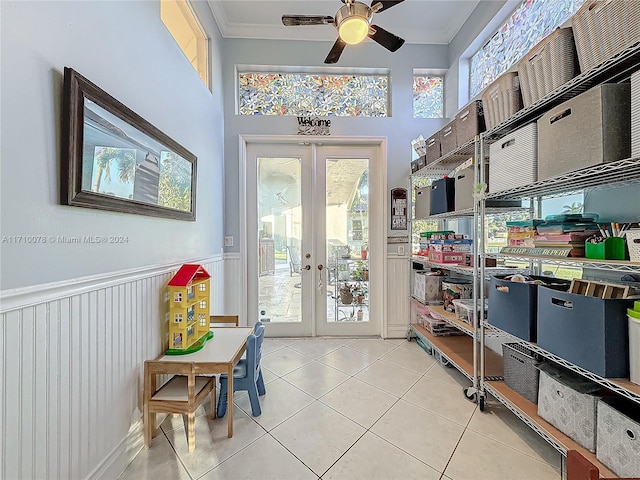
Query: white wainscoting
72, 358
397, 318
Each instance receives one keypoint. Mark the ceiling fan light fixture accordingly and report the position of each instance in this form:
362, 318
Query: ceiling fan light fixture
353, 30
352, 22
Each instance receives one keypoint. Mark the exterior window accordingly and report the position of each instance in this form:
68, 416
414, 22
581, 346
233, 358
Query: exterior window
177, 297
311, 94
428, 96
202, 287
203, 304
178, 318
528, 24
202, 318
178, 17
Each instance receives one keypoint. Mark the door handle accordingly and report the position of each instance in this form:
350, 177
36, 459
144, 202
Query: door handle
307, 267
320, 267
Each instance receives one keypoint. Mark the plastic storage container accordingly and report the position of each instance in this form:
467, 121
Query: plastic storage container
501, 99
513, 160
589, 332
520, 372
603, 28
618, 435
464, 310
587, 130
548, 65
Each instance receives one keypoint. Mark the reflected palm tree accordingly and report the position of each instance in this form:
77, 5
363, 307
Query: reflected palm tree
126, 162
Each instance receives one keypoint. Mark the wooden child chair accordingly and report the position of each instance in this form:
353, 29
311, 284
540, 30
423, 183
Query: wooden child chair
224, 320
183, 393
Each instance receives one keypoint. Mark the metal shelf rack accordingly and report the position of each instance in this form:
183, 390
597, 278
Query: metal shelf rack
622, 172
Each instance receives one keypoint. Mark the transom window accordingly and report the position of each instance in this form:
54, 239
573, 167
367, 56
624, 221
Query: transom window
180, 20
428, 96
313, 94
532, 21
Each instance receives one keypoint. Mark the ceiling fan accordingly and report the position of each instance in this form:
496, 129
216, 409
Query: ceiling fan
353, 22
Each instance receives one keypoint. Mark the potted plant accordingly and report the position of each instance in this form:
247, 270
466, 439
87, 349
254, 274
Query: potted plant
360, 294
346, 294
364, 250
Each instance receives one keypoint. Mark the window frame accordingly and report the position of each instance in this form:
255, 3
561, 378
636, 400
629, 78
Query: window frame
301, 70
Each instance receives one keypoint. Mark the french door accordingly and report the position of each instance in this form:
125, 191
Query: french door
314, 238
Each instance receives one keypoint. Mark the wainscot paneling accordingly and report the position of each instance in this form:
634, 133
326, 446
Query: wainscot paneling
397, 318
72, 358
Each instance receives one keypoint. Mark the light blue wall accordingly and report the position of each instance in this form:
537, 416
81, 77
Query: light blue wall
399, 129
126, 50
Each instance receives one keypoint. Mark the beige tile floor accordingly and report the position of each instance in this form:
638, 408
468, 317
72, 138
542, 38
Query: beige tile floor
352, 409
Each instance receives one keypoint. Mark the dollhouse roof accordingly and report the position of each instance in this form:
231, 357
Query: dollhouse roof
187, 274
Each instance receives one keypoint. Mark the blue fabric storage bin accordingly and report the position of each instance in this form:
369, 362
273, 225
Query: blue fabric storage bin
513, 305
589, 332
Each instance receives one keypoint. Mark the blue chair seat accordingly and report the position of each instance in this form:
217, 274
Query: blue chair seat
240, 370
247, 375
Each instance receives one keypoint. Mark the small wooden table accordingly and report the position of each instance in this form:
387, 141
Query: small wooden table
219, 355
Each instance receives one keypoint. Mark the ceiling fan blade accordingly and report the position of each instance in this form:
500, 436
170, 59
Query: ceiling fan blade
387, 39
385, 4
336, 51
296, 20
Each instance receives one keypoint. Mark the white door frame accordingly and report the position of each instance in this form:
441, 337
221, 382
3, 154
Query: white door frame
378, 230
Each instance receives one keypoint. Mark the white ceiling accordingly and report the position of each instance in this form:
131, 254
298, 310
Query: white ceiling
417, 21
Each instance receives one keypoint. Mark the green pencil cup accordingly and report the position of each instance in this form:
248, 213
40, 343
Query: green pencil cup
613, 248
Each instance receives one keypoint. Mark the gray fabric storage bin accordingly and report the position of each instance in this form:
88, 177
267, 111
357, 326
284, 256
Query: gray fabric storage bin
434, 150
464, 186
589, 332
469, 122
569, 402
635, 115
513, 305
618, 436
448, 140
592, 128
513, 160
423, 202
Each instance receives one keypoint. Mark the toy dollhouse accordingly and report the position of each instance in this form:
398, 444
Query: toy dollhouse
188, 296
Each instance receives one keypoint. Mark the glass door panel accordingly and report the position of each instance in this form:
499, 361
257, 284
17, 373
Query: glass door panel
343, 188
308, 246
279, 288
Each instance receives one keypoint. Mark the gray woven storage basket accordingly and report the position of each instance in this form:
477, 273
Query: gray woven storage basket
603, 28
549, 65
520, 372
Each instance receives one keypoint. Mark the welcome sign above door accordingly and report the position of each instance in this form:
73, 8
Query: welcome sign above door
313, 126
